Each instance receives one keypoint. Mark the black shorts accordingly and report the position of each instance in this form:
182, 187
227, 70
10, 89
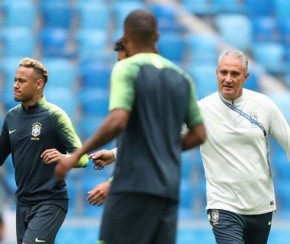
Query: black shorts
139, 218
232, 228
38, 223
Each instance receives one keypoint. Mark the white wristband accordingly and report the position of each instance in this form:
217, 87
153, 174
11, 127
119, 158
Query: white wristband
114, 151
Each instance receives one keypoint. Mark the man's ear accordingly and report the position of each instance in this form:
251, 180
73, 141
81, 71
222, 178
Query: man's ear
157, 35
39, 84
125, 39
247, 77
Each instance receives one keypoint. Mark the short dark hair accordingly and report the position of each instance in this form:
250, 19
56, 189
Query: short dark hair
119, 45
141, 26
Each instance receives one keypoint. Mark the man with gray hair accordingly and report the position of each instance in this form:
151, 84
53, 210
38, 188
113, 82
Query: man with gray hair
239, 185
30, 128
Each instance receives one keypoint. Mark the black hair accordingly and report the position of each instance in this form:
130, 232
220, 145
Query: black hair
119, 45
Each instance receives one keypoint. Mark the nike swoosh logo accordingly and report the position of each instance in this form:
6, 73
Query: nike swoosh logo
11, 131
39, 241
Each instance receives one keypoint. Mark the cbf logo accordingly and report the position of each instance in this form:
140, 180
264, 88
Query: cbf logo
215, 217
254, 116
36, 129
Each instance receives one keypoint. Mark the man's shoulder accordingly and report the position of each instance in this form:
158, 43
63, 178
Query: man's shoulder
256, 96
211, 98
16, 109
53, 108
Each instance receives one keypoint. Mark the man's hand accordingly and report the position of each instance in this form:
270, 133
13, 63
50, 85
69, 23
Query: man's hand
64, 162
102, 158
51, 156
98, 195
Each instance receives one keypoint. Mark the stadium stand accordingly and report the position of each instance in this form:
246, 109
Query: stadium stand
87, 12
236, 30
56, 13
95, 74
13, 47
14, 19
172, 46
91, 44
167, 17
201, 48
56, 42
229, 6
121, 10
264, 28
271, 56
62, 66
204, 75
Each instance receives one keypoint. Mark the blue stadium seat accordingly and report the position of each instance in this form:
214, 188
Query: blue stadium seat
73, 193
259, 8
229, 6
1, 115
5, 2
200, 196
186, 199
253, 81
92, 211
265, 28
8, 100
279, 234
126, 1
171, 45
284, 31
71, 234
10, 181
93, 16
202, 48
56, 42
281, 9
94, 102
57, 14
200, 7
18, 42
116, 35
287, 78
95, 74
197, 234
64, 98
8, 68
166, 15
270, 55
282, 192
91, 44
89, 124
13, 14
187, 163
280, 165
287, 61
10, 175
236, 29
204, 76
62, 73
282, 100
121, 9
61, 84
78, 2
275, 148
